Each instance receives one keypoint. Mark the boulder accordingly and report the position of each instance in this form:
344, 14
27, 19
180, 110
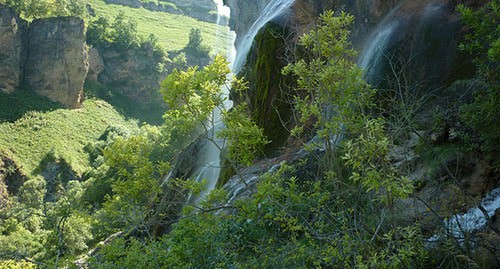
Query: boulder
12, 39
57, 63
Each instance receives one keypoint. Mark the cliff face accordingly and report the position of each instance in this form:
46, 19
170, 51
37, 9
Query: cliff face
420, 40
306, 12
12, 53
132, 73
48, 57
57, 61
243, 14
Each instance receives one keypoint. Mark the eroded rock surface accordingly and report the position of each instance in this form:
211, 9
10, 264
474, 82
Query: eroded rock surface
57, 61
96, 65
12, 54
132, 73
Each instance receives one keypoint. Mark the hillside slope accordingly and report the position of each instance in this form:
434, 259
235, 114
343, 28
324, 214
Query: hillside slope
172, 30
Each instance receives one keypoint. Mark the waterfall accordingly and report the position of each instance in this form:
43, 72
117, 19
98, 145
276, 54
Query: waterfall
223, 12
271, 11
473, 220
207, 166
373, 54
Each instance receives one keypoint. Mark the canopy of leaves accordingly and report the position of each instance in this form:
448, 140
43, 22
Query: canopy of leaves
36, 9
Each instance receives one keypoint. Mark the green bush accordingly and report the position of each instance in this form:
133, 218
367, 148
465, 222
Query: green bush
35, 9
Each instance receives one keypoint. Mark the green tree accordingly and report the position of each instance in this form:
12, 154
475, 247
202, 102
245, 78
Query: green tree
136, 181
483, 43
330, 88
35, 9
483, 38
195, 96
195, 44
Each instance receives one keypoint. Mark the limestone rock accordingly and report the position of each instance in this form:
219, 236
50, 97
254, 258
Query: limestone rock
96, 65
243, 15
132, 73
12, 56
57, 63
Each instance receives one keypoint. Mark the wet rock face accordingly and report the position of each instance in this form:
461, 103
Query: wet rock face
419, 39
267, 89
57, 61
12, 56
243, 15
306, 12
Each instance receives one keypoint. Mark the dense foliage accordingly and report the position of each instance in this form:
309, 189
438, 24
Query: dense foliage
334, 216
35, 9
333, 208
483, 43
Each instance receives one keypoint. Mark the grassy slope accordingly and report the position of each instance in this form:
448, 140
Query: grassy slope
31, 135
63, 131
171, 30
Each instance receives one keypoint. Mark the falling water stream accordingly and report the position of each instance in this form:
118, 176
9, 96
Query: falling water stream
271, 11
373, 55
374, 58
207, 167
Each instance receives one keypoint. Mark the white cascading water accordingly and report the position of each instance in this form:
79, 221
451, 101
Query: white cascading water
208, 160
371, 60
207, 167
373, 53
473, 220
271, 11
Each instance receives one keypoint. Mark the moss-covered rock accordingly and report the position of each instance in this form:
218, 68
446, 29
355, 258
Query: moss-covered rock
268, 92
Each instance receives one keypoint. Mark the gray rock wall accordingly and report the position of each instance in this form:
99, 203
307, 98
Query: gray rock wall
57, 63
12, 54
48, 57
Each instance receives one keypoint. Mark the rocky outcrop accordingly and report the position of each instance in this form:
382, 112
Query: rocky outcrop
132, 73
12, 53
48, 57
96, 65
57, 61
243, 15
